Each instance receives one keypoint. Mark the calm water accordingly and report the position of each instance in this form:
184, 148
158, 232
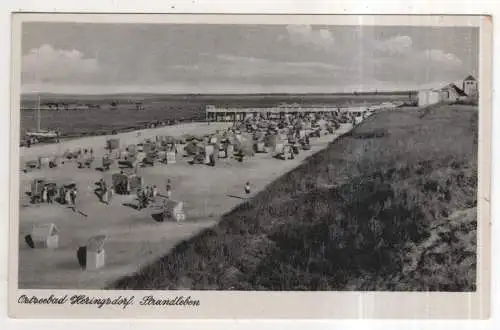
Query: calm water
104, 120
75, 123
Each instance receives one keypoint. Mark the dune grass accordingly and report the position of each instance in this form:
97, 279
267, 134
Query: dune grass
355, 216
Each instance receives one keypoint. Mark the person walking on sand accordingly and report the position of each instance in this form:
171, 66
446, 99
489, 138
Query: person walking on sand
247, 188
111, 193
102, 190
67, 197
50, 195
169, 189
73, 196
44, 195
62, 194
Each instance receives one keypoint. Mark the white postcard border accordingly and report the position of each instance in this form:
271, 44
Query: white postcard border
352, 305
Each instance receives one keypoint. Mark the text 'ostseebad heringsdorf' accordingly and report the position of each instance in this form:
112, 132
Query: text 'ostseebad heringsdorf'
100, 302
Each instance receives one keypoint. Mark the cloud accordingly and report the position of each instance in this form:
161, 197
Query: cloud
273, 57
395, 45
306, 35
402, 46
440, 57
398, 59
49, 64
251, 67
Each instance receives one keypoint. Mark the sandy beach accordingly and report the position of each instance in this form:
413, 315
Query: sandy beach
133, 238
97, 143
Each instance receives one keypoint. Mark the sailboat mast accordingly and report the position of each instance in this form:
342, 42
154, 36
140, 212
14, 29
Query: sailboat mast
38, 99
38, 115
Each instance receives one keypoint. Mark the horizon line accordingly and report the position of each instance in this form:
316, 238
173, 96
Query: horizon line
221, 93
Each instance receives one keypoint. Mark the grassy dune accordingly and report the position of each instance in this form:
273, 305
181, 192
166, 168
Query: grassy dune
376, 210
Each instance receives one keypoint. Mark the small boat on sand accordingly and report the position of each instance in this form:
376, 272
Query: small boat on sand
40, 135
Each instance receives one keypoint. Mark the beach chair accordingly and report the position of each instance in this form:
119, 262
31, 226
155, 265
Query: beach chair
95, 258
43, 161
112, 144
174, 210
106, 163
230, 150
135, 182
209, 151
260, 147
278, 149
44, 236
222, 153
170, 157
162, 156
37, 186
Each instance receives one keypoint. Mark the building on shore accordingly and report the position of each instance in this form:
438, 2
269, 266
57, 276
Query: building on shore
470, 86
452, 93
428, 97
449, 93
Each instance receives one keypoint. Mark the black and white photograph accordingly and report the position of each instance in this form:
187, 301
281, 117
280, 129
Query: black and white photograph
248, 157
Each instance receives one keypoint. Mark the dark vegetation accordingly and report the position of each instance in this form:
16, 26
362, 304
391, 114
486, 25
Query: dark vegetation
359, 215
470, 101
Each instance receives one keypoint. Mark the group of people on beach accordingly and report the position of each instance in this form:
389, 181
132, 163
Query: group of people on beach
66, 195
144, 195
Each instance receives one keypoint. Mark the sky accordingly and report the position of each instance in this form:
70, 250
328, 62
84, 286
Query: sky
83, 58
